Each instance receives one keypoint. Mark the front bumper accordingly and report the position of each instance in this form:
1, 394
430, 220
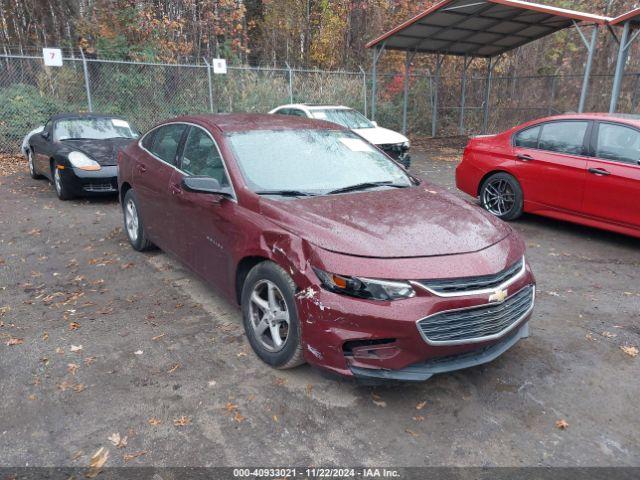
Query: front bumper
419, 372
98, 182
398, 153
370, 339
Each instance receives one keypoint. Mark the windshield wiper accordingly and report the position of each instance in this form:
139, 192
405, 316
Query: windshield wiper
364, 186
286, 193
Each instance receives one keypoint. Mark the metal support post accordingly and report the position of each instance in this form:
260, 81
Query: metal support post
210, 85
87, 85
463, 93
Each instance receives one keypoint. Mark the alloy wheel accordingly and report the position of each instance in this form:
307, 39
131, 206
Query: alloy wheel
57, 180
31, 168
269, 315
131, 219
498, 197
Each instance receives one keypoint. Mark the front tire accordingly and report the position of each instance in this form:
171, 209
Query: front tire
501, 195
270, 316
133, 225
62, 191
32, 168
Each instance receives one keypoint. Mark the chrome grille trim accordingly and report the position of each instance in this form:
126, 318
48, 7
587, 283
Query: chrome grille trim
478, 319
465, 286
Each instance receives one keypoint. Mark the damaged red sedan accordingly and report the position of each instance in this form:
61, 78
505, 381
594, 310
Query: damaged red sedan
336, 255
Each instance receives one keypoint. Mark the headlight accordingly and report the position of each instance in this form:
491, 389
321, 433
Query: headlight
81, 161
406, 145
365, 287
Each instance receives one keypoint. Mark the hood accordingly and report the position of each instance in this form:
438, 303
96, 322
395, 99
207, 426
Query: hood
380, 136
419, 221
105, 152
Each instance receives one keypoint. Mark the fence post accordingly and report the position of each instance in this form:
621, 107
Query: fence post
86, 81
364, 89
290, 82
552, 98
434, 110
591, 47
405, 94
377, 51
210, 85
487, 92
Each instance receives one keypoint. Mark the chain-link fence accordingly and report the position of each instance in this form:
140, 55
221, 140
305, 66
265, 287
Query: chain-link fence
146, 93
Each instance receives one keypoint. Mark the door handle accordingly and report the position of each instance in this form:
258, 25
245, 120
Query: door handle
142, 167
524, 157
601, 172
175, 189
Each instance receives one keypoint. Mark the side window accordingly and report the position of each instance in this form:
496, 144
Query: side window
618, 143
166, 141
147, 141
528, 138
284, 111
563, 137
297, 113
201, 156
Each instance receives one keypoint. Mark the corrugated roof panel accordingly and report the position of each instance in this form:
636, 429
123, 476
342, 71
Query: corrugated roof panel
480, 27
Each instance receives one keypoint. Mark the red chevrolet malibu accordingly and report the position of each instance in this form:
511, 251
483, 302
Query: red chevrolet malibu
580, 168
336, 255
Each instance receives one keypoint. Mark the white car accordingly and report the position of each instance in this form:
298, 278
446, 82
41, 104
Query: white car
392, 143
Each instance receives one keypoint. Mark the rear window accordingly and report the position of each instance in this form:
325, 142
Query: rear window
563, 137
528, 138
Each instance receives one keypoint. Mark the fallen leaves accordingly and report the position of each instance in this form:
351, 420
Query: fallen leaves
562, 424
75, 348
97, 461
237, 416
72, 368
421, 405
181, 421
377, 400
14, 341
4, 310
174, 368
130, 456
74, 326
630, 350
117, 440
138, 352
158, 337
411, 432
153, 421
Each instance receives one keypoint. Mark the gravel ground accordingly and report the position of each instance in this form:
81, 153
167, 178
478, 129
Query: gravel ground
98, 340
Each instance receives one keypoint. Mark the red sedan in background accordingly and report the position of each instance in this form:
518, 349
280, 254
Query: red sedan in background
584, 168
304, 224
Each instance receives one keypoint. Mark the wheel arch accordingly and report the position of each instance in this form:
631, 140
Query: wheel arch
124, 188
242, 270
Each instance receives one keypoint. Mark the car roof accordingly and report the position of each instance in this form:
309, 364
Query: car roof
73, 116
241, 122
624, 118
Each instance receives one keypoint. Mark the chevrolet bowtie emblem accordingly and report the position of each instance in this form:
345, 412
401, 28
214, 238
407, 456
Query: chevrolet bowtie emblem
498, 296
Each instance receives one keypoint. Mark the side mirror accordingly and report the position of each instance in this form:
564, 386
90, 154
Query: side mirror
374, 123
203, 184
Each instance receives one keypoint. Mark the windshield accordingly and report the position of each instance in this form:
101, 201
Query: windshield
311, 161
342, 116
93, 128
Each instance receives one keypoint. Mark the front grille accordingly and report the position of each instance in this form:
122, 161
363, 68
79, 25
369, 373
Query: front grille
100, 187
464, 285
476, 323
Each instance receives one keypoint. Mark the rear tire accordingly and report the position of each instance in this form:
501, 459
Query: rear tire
268, 312
501, 195
133, 225
62, 191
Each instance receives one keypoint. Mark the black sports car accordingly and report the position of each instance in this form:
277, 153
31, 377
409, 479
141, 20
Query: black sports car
78, 153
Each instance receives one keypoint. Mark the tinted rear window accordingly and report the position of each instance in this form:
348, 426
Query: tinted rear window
563, 137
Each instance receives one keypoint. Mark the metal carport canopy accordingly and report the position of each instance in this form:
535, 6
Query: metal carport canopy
628, 21
481, 28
